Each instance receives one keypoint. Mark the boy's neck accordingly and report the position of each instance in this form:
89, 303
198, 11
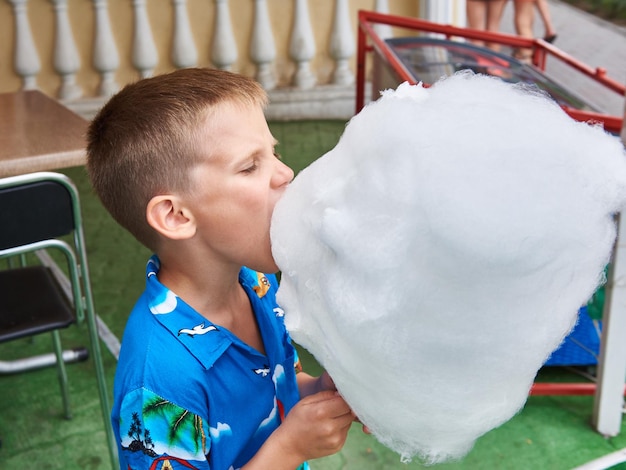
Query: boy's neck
201, 284
216, 294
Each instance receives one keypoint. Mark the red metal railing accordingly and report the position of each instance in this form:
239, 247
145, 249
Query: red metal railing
368, 41
565, 388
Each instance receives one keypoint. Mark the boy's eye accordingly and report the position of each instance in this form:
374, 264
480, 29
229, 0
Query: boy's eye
277, 155
250, 169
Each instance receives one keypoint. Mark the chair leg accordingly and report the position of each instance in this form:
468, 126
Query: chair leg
102, 387
62, 373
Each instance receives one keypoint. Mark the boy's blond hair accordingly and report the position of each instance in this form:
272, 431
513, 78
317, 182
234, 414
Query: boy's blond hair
143, 142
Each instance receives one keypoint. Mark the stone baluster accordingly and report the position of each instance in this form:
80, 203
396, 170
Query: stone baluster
26, 60
302, 46
342, 44
184, 52
66, 58
224, 48
145, 55
437, 12
106, 59
262, 46
382, 30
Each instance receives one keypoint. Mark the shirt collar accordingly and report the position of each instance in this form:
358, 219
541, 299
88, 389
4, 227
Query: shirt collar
204, 340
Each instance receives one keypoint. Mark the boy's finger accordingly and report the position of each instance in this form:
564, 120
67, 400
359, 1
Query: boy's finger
320, 396
337, 407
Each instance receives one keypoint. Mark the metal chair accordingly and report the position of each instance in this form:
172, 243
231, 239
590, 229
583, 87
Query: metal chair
40, 214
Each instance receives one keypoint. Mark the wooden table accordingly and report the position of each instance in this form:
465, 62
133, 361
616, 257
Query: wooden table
37, 133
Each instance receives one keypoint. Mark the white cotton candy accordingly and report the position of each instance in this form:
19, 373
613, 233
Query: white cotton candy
440, 252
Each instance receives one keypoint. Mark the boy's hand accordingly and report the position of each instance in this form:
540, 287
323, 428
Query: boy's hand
326, 382
316, 426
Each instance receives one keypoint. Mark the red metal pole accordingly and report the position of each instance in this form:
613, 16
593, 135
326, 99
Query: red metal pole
544, 388
360, 69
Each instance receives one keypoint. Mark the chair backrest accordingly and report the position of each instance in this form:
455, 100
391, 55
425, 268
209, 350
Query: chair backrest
34, 208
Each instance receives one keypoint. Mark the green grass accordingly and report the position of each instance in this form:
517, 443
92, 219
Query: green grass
549, 433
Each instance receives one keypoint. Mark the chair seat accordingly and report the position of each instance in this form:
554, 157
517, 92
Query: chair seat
31, 303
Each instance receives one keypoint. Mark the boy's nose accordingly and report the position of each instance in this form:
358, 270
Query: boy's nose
283, 174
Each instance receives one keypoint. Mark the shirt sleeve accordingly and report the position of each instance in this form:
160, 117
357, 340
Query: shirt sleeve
154, 430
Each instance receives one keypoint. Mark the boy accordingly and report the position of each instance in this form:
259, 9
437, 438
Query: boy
185, 161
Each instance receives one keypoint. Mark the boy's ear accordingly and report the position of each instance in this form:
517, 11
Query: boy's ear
168, 215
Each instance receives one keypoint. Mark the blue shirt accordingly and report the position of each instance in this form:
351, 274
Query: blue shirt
193, 394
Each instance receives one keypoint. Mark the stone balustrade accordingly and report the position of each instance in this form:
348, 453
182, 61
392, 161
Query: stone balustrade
82, 51
301, 51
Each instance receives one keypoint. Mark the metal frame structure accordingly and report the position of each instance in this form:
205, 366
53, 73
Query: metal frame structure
369, 41
609, 390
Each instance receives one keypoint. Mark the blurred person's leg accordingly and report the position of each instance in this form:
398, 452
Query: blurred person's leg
485, 15
544, 11
495, 9
477, 17
524, 16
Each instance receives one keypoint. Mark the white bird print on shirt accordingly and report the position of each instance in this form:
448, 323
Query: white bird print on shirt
197, 330
262, 371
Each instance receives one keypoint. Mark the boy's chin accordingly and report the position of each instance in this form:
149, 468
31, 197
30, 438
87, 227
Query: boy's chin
273, 269
269, 267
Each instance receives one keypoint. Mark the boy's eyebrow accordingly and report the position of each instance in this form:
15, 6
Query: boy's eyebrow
260, 150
